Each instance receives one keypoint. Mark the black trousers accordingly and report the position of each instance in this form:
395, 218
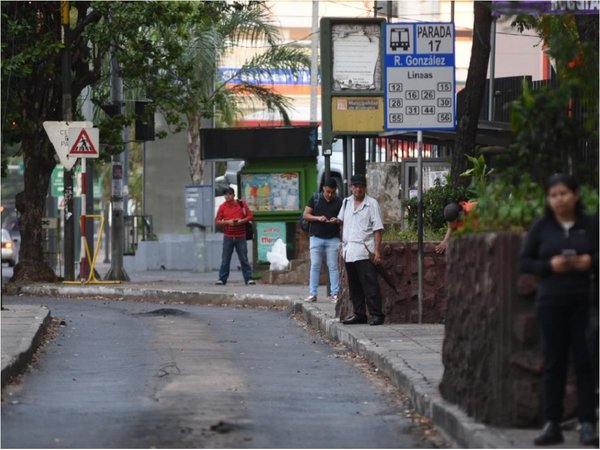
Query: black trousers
364, 288
563, 325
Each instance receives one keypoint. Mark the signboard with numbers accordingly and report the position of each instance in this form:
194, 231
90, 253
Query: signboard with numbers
419, 76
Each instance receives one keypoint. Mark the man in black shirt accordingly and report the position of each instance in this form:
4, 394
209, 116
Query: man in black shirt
321, 214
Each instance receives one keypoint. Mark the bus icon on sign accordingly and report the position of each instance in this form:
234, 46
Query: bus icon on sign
399, 37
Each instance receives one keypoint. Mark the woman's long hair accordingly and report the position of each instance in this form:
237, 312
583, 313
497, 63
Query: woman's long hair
571, 183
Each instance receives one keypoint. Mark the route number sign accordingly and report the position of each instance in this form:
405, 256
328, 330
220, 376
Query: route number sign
419, 76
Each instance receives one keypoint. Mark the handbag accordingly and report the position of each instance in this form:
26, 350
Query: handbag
249, 227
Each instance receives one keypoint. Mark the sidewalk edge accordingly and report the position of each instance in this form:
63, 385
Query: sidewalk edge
456, 425
20, 361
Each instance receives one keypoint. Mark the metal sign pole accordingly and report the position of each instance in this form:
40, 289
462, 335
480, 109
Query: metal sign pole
420, 223
82, 225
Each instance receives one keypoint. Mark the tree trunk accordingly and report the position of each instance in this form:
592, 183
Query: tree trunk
31, 203
474, 91
196, 163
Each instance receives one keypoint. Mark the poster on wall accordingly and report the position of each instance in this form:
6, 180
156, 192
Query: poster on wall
272, 191
266, 235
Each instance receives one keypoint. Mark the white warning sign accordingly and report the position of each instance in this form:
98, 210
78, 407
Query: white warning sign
85, 142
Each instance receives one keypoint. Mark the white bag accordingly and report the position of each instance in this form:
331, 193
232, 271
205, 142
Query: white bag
277, 256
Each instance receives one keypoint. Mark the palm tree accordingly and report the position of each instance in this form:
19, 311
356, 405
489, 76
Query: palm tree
196, 93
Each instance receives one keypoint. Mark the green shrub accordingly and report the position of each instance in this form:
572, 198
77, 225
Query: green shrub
505, 205
589, 197
434, 201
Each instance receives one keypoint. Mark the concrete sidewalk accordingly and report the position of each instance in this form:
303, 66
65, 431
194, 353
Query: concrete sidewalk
409, 354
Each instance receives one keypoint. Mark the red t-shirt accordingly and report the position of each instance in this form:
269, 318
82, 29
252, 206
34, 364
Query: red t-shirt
232, 210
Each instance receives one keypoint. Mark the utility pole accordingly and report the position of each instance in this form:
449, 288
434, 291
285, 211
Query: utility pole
67, 109
117, 272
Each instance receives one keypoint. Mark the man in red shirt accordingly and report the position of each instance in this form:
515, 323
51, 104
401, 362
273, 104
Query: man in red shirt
233, 218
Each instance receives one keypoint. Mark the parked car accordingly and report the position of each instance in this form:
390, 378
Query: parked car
9, 250
11, 224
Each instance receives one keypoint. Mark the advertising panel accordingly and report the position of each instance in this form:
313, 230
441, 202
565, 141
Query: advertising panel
272, 191
266, 235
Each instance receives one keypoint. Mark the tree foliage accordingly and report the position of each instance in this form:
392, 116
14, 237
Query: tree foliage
556, 127
168, 52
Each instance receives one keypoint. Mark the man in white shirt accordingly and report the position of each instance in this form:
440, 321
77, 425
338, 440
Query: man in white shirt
361, 238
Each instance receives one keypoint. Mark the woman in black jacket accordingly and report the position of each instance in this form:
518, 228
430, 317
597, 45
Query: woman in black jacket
561, 248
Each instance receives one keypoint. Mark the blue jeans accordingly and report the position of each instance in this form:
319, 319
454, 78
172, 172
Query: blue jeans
330, 246
241, 248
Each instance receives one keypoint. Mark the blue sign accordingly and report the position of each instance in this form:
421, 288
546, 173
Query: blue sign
419, 76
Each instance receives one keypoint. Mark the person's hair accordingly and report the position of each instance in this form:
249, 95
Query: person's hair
451, 212
571, 183
331, 183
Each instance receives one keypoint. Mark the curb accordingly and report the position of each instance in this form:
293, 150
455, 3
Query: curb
167, 295
27, 346
426, 399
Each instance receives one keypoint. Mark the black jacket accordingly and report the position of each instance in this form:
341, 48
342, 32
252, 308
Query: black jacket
547, 238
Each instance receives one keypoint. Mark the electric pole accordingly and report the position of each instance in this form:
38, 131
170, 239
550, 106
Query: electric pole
117, 271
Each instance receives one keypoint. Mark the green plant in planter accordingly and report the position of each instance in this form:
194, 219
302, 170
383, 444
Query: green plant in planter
479, 173
504, 205
589, 197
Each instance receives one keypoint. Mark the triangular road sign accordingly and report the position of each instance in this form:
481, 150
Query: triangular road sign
85, 142
58, 132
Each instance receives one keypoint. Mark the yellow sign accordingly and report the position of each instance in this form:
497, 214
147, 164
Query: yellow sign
357, 114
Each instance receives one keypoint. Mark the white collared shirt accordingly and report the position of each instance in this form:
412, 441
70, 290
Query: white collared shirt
359, 227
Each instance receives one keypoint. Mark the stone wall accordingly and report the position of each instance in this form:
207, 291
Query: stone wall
491, 356
384, 184
398, 281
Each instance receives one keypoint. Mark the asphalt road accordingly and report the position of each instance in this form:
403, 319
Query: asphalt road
134, 375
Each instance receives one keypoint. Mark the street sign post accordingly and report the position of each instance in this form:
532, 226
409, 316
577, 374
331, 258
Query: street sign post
419, 76
419, 93
84, 143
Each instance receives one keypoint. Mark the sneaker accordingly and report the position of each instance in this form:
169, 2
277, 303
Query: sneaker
220, 283
311, 299
251, 282
333, 298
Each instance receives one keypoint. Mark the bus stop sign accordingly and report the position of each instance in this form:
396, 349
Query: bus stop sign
419, 76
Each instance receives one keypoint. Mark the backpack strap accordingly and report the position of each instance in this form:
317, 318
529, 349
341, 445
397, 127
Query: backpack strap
316, 199
241, 203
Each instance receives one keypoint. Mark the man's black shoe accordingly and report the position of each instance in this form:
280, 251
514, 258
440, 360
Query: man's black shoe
587, 435
354, 320
550, 434
378, 320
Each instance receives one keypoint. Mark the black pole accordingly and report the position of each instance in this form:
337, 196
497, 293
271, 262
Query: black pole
67, 107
